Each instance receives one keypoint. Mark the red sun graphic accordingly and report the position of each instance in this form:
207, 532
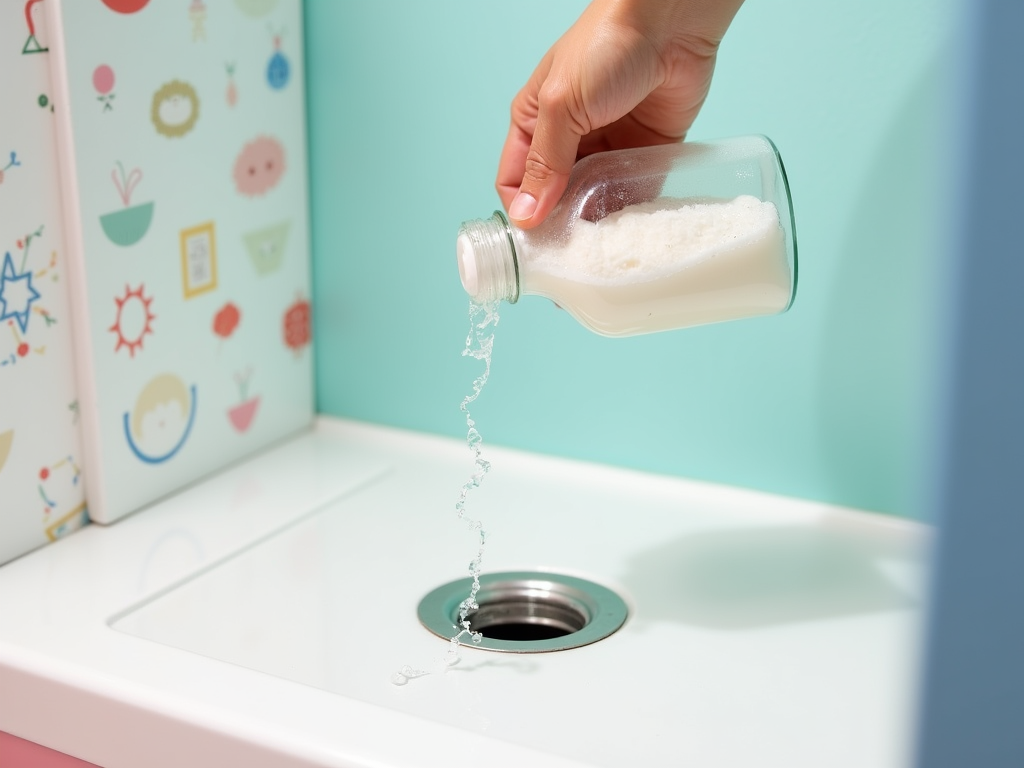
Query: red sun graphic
133, 320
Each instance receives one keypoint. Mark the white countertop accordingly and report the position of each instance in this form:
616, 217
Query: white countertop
256, 619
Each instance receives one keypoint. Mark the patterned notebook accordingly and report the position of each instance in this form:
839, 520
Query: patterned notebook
183, 147
41, 491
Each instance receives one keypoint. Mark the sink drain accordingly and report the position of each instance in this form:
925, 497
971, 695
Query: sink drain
527, 611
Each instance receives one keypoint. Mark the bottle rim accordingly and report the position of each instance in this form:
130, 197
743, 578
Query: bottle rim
500, 217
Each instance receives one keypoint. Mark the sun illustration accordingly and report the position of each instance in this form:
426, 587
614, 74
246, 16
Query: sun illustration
133, 319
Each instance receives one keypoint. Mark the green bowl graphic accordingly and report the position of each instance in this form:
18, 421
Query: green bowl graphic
266, 246
128, 226
256, 8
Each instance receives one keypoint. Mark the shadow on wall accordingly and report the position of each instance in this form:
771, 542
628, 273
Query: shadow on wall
879, 314
746, 579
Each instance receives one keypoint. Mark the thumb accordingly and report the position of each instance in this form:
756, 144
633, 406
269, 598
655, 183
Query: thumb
556, 139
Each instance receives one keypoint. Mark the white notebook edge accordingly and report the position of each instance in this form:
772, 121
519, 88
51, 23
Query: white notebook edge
85, 373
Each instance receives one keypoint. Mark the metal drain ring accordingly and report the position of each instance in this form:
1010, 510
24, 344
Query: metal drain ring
582, 611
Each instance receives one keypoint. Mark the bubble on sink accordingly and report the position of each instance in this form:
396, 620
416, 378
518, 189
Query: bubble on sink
407, 673
452, 657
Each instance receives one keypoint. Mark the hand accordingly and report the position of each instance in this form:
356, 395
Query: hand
628, 73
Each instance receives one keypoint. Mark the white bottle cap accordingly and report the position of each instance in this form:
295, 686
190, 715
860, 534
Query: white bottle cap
467, 264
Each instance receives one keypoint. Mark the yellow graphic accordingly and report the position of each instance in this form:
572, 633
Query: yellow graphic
197, 15
60, 489
198, 259
6, 438
175, 109
71, 521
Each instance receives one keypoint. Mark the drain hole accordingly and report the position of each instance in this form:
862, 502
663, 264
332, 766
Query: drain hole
527, 611
526, 619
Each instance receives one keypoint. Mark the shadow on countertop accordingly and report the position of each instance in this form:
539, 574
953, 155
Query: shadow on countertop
762, 577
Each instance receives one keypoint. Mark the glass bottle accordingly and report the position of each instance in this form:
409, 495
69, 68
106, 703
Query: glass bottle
650, 239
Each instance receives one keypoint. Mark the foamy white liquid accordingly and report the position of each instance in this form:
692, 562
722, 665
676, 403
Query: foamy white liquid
667, 263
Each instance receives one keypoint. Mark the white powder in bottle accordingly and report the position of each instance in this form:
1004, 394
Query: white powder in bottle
653, 239
667, 263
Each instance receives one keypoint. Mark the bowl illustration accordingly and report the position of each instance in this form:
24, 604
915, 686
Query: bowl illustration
266, 246
241, 415
256, 8
128, 226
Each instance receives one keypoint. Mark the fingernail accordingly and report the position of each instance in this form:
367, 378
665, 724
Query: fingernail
522, 206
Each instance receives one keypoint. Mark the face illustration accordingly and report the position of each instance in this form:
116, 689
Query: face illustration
259, 166
160, 417
175, 109
161, 428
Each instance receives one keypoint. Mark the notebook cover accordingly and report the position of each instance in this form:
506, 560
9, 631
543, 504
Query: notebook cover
41, 489
183, 151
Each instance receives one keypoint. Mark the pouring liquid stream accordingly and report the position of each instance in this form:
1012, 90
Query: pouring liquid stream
479, 345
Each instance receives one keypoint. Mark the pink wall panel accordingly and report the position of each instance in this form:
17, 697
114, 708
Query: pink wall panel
18, 753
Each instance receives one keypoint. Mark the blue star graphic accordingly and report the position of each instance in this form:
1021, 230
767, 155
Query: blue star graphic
8, 280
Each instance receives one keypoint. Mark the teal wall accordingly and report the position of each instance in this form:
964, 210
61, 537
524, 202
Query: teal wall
408, 112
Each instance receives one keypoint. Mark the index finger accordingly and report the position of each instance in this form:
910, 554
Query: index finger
523, 121
512, 165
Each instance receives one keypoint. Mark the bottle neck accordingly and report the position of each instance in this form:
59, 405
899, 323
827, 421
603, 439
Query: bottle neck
488, 265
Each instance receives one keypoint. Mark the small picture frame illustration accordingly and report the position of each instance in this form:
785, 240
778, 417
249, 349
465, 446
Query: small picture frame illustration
198, 259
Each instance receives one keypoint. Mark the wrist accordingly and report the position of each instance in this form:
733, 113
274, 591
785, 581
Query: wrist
698, 25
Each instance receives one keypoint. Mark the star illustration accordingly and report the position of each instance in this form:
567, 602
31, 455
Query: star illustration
16, 294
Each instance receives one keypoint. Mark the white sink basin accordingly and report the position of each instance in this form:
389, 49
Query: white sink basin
257, 619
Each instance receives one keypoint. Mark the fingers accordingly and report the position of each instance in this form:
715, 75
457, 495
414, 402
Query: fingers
551, 155
512, 166
625, 74
540, 148
525, 106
